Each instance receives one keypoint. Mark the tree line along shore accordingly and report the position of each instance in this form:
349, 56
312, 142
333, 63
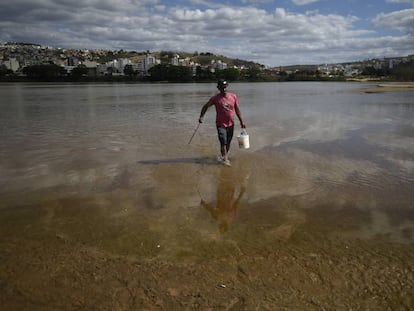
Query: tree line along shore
172, 73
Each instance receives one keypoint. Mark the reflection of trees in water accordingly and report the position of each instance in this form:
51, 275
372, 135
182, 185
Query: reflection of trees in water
228, 196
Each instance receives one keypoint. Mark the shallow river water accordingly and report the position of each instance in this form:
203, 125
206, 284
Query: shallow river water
98, 182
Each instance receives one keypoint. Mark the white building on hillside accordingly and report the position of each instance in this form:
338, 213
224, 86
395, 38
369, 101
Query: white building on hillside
148, 62
175, 60
218, 64
11, 64
145, 64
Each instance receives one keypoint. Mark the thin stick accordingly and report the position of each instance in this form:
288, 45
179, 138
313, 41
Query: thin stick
194, 133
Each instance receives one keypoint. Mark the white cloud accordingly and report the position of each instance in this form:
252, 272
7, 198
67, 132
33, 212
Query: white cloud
256, 1
278, 37
209, 4
160, 7
401, 20
401, 1
304, 2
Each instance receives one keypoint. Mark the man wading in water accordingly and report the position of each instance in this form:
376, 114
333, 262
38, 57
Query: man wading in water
226, 105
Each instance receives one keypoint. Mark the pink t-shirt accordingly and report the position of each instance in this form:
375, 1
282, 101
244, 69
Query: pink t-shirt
225, 106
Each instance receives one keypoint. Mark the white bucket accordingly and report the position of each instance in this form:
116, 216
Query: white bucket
243, 140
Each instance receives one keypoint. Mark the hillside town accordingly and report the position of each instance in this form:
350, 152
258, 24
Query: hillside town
14, 57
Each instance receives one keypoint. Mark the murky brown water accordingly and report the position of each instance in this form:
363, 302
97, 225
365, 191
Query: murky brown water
105, 205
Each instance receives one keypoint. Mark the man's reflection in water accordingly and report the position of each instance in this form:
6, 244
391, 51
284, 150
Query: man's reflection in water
226, 205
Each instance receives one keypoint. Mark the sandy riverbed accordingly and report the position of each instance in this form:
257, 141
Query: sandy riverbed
389, 87
283, 253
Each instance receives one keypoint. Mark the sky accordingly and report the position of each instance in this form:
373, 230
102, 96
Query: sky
270, 32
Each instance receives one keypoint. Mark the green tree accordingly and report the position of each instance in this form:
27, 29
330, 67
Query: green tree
129, 70
373, 72
231, 74
46, 72
166, 72
79, 71
181, 73
253, 74
5, 71
203, 75
158, 72
404, 71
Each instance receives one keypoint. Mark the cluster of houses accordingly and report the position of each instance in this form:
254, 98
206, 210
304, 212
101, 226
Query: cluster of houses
17, 56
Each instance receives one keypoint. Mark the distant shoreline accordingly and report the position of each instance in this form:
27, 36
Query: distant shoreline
379, 87
389, 87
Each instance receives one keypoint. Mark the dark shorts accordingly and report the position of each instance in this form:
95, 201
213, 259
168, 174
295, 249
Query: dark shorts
225, 134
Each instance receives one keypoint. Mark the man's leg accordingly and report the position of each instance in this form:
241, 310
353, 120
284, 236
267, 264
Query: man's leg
223, 139
225, 135
229, 137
